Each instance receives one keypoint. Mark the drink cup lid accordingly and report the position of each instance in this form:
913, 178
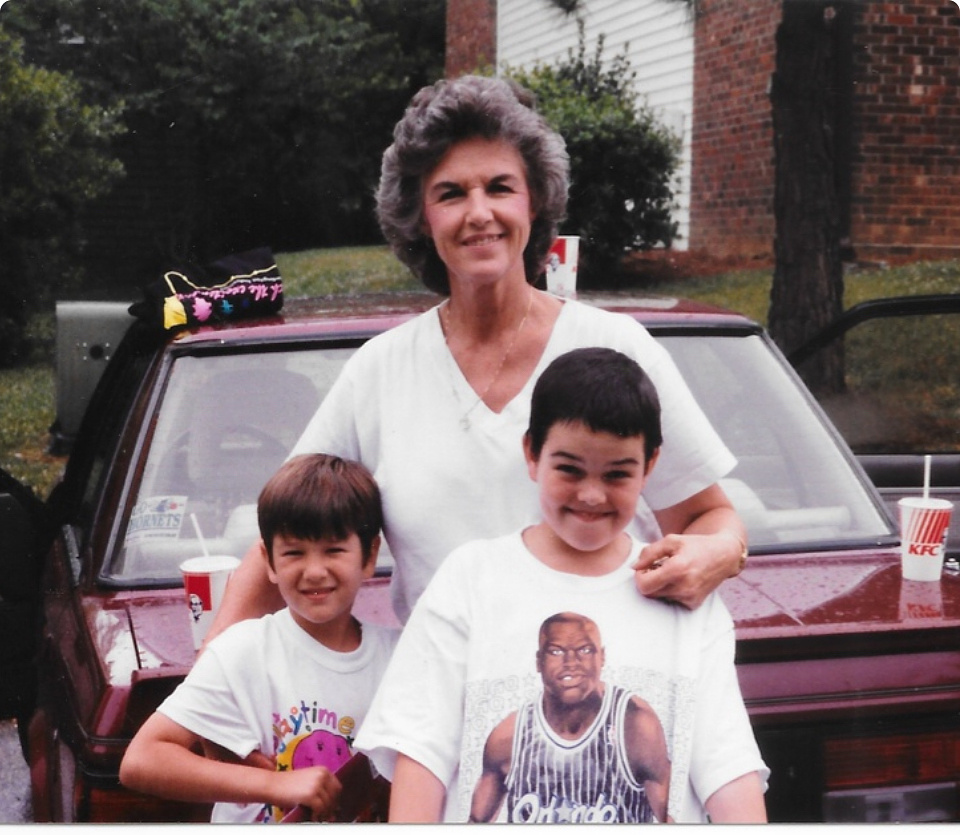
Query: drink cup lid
203, 565
929, 503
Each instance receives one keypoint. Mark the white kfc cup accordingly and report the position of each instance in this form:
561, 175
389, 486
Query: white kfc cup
923, 534
562, 266
204, 581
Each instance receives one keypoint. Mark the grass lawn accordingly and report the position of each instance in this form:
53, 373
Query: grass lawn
748, 291
27, 400
317, 272
27, 394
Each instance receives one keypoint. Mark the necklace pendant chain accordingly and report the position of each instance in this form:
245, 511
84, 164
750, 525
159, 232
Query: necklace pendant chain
465, 418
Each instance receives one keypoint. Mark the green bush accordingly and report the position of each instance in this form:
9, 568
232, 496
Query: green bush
621, 159
249, 122
54, 156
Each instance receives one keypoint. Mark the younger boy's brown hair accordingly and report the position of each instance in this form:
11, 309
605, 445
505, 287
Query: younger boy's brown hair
319, 496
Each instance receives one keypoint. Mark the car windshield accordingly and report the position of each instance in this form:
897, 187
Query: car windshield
227, 421
793, 485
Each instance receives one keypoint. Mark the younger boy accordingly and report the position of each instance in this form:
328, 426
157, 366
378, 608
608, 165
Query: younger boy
533, 683
292, 686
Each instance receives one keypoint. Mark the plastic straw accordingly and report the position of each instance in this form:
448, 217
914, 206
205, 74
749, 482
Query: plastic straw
926, 476
203, 542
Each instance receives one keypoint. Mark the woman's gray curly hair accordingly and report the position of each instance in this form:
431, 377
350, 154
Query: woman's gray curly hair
448, 112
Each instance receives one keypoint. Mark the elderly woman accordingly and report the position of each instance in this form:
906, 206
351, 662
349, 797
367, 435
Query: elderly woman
471, 194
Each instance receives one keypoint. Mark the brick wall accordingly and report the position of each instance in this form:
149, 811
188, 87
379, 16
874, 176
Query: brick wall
471, 36
898, 140
731, 201
905, 171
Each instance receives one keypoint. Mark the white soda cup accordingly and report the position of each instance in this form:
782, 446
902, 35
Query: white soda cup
562, 266
923, 533
204, 581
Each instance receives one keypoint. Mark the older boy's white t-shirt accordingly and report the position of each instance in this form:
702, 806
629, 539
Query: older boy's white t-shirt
451, 470
266, 685
467, 659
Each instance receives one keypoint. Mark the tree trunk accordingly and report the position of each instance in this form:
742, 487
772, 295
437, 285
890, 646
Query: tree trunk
807, 290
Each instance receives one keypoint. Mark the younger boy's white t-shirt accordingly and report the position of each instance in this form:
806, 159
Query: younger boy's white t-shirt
266, 685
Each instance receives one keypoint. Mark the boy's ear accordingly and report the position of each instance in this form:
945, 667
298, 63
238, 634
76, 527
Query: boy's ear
529, 457
371, 564
651, 462
266, 558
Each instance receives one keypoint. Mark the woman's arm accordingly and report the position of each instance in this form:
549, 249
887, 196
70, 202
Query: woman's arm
160, 760
704, 543
417, 795
739, 801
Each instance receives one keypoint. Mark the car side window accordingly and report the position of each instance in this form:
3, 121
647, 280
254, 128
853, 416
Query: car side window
901, 378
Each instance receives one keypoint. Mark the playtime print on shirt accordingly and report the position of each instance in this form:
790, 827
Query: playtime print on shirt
308, 735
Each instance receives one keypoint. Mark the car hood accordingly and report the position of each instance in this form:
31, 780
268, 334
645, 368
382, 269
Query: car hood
148, 632
858, 592
821, 636
782, 597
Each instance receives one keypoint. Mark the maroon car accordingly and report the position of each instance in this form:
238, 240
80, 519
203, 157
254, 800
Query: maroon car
850, 674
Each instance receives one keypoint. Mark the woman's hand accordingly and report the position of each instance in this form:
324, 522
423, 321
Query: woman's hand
316, 788
685, 568
704, 544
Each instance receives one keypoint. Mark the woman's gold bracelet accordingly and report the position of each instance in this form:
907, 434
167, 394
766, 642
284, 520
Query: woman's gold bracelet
743, 553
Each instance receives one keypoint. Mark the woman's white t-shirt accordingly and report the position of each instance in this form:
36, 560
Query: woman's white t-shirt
451, 470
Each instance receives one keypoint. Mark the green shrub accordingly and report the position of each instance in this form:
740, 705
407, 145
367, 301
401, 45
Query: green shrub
621, 159
54, 157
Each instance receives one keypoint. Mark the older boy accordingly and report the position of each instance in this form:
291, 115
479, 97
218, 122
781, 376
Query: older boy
293, 686
468, 658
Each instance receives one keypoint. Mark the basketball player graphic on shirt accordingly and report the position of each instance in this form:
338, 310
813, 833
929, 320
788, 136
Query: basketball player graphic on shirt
585, 752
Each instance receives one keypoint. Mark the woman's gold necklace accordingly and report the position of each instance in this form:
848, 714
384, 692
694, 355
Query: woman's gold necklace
465, 418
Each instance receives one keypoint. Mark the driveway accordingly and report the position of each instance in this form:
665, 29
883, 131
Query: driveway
14, 778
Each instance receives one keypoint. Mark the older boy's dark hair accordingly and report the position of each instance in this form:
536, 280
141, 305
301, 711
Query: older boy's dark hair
317, 496
600, 388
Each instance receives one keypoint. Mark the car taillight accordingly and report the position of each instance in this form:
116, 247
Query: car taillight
900, 777
98, 796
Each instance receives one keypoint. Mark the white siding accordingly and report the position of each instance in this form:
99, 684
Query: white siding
658, 35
